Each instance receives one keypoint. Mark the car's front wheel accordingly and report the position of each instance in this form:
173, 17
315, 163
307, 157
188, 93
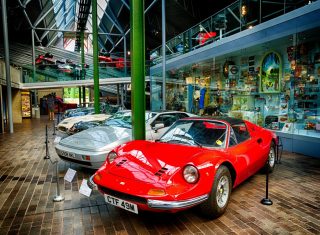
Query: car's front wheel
219, 196
271, 162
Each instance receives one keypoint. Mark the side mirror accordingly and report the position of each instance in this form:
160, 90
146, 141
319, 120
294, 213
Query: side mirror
158, 126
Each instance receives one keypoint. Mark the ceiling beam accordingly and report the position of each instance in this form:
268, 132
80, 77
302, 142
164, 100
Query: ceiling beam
43, 15
126, 4
120, 40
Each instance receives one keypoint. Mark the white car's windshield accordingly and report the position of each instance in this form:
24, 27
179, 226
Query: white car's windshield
124, 119
197, 132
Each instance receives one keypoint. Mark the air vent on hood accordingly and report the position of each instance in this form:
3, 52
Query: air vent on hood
121, 162
161, 171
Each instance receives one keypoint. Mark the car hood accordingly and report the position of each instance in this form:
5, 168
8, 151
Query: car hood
152, 162
69, 122
98, 138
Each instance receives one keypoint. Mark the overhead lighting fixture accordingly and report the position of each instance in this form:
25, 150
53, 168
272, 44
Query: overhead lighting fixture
244, 10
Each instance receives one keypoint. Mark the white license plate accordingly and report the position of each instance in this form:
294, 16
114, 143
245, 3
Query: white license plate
121, 203
67, 154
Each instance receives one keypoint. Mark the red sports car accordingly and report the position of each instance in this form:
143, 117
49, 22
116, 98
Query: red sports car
196, 162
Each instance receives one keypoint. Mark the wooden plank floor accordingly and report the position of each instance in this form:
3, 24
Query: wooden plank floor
28, 184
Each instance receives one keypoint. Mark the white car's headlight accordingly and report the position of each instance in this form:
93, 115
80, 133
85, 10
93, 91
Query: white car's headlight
191, 174
111, 156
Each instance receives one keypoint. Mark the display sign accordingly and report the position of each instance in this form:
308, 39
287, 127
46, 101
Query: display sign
270, 73
84, 188
70, 175
57, 140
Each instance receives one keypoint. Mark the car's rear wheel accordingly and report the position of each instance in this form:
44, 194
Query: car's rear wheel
219, 196
271, 161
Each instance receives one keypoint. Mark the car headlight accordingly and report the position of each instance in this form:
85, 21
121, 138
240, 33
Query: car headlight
111, 156
191, 174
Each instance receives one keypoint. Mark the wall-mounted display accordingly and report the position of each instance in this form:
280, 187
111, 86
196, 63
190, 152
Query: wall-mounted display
270, 73
26, 104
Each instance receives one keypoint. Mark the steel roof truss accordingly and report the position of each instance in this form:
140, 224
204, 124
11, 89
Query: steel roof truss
43, 15
126, 4
120, 40
111, 16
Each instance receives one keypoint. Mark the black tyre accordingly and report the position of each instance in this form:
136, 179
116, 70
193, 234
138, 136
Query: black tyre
271, 161
219, 196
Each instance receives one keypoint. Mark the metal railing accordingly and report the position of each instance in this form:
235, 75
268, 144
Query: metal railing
239, 16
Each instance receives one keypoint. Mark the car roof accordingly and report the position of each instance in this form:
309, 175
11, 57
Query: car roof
230, 120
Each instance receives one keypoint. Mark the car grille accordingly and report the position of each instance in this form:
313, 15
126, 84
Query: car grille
75, 161
123, 196
161, 171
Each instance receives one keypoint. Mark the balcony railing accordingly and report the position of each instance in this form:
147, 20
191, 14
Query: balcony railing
239, 16
64, 72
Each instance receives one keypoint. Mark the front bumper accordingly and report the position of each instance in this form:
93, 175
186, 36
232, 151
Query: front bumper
90, 182
173, 205
79, 156
151, 204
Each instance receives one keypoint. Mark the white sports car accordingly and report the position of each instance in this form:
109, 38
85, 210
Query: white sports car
90, 147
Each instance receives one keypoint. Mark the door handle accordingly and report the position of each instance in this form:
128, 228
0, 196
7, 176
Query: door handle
259, 141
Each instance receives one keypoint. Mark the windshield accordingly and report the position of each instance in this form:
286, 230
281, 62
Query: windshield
204, 133
124, 119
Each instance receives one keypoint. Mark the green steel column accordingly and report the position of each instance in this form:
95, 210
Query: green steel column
138, 99
82, 74
95, 57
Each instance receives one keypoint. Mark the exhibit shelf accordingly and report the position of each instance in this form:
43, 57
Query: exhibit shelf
298, 143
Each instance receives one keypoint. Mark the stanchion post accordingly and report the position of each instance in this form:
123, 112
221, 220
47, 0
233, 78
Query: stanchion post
54, 127
46, 142
58, 197
266, 201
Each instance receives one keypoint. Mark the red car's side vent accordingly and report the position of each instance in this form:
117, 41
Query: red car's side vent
161, 171
121, 162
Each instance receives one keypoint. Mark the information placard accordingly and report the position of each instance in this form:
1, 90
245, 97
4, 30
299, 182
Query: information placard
84, 188
70, 175
57, 140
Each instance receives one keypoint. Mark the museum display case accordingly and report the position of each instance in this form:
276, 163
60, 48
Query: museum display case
275, 85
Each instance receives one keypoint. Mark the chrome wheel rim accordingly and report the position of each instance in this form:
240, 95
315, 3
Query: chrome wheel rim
222, 191
272, 157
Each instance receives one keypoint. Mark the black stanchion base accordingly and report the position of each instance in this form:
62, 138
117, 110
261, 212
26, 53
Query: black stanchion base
46, 157
266, 201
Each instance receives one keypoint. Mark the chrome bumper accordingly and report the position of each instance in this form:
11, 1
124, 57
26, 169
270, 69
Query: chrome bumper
169, 205
90, 183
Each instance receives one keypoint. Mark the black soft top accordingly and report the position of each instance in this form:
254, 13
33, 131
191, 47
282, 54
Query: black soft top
230, 120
